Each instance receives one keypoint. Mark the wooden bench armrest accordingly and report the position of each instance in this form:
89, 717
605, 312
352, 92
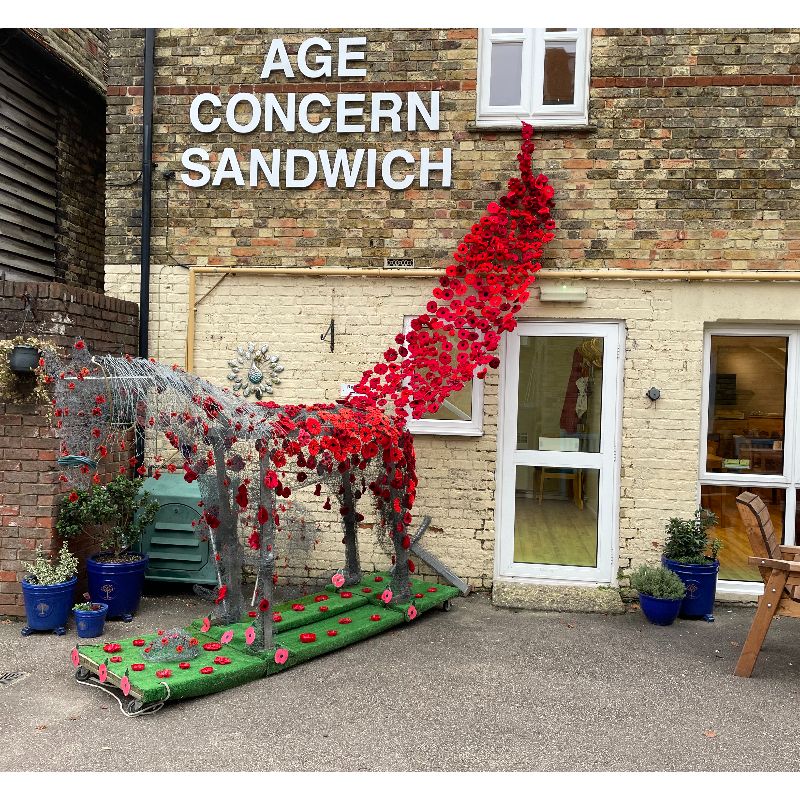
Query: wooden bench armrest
775, 563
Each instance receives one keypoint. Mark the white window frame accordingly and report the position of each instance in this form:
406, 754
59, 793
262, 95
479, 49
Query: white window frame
531, 109
450, 427
789, 481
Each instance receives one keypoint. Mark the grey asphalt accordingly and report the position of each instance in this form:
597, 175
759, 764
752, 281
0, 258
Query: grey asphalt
478, 688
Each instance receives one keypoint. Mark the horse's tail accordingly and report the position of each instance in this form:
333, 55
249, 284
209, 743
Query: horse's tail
477, 299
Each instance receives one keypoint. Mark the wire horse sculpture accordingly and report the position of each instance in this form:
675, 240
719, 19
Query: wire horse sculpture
252, 459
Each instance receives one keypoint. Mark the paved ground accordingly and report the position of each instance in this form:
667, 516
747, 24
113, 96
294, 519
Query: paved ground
480, 688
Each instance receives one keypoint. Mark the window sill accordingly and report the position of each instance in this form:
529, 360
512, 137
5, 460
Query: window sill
541, 128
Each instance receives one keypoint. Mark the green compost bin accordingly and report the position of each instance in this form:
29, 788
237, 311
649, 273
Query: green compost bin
176, 552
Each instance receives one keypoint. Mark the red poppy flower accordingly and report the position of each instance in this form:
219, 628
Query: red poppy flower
345, 621
252, 613
378, 578
147, 649
281, 655
73, 496
332, 633
418, 595
184, 665
320, 598
138, 642
193, 642
375, 617
307, 638
298, 607
345, 595
277, 617
137, 667
165, 640
222, 660
263, 605
366, 590
323, 609
80, 344
163, 673
179, 648
112, 647
432, 589
115, 659
206, 670
212, 646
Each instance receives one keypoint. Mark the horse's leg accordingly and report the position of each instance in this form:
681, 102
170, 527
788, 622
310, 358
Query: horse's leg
352, 565
401, 590
266, 558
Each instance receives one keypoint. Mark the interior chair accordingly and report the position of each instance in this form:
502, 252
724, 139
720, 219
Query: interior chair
568, 444
780, 568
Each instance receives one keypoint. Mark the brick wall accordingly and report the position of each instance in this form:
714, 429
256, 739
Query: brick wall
84, 50
689, 160
28, 477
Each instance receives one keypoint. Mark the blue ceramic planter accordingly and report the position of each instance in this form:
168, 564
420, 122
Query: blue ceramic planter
658, 610
47, 607
118, 585
90, 623
701, 587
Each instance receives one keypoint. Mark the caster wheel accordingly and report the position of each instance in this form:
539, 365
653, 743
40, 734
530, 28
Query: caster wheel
133, 705
59, 631
447, 605
26, 631
127, 617
82, 674
709, 617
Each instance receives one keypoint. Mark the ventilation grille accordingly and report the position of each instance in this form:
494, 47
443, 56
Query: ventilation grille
7, 678
404, 263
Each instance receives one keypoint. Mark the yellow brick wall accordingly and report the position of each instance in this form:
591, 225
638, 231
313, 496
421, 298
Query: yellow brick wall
664, 322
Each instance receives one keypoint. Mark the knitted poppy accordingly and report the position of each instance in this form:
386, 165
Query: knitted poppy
206, 670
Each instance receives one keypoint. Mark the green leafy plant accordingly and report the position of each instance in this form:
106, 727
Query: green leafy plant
657, 582
86, 607
115, 514
47, 571
687, 539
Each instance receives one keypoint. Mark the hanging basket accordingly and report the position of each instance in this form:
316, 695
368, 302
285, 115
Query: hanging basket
23, 359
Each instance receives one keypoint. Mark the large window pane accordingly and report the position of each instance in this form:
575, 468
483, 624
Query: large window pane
736, 548
747, 403
559, 73
505, 85
559, 395
555, 518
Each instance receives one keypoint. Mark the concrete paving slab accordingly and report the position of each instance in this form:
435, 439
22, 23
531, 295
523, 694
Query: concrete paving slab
479, 688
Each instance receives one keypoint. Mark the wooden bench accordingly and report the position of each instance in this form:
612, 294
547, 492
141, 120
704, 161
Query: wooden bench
780, 568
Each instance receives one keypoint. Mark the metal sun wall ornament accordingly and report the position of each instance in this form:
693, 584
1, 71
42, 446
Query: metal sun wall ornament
253, 371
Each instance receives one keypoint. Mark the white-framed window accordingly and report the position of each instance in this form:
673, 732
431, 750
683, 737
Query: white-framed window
749, 438
461, 414
539, 75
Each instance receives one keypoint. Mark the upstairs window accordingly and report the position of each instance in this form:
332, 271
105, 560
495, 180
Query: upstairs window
539, 75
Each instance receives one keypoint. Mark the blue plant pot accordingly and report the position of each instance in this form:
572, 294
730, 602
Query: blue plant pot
659, 610
90, 623
701, 587
47, 607
117, 585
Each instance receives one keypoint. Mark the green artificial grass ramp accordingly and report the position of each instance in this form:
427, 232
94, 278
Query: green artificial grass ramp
182, 683
361, 626
430, 594
368, 616
313, 611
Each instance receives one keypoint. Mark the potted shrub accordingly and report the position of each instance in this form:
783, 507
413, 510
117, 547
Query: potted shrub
48, 589
661, 592
690, 554
90, 618
115, 514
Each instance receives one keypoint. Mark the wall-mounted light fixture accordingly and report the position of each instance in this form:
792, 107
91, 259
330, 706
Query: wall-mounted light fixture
562, 293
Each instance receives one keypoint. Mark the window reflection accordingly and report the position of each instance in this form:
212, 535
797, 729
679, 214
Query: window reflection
555, 520
559, 73
747, 402
736, 548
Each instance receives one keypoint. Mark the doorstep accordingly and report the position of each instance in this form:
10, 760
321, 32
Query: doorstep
550, 597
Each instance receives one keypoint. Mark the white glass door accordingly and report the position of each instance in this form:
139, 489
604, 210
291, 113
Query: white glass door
558, 473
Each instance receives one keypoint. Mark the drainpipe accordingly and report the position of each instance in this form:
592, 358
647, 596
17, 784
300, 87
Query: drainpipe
147, 186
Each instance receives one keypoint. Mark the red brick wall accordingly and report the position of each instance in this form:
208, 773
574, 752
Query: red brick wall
29, 486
